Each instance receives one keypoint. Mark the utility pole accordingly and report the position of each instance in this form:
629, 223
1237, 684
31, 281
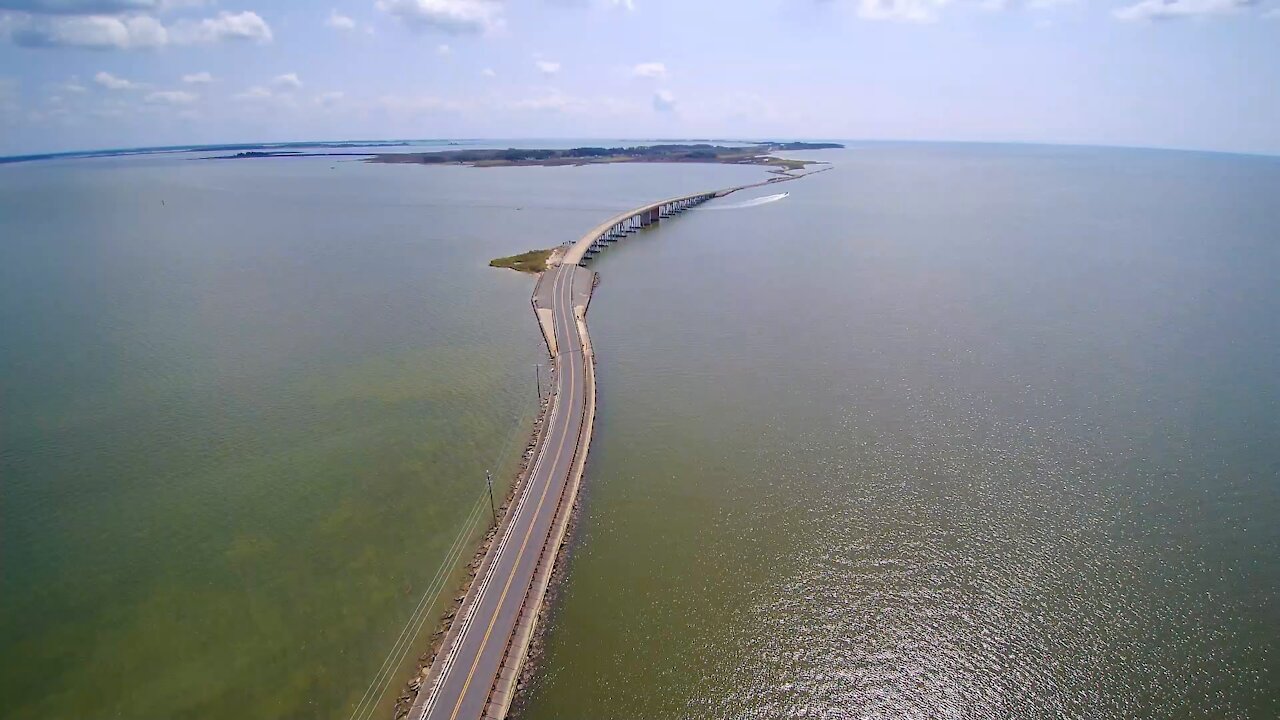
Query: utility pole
488, 480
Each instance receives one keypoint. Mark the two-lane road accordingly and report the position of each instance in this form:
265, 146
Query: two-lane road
474, 650
471, 670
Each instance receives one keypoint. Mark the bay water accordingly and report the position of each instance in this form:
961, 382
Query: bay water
246, 408
948, 430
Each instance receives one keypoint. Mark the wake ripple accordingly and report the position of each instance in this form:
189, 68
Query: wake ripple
750, 203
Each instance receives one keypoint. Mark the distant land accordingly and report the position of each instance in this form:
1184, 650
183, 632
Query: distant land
752, 153
225, 147
742, 155
758, 154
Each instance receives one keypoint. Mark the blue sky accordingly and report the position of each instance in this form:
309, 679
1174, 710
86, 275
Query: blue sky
82, 74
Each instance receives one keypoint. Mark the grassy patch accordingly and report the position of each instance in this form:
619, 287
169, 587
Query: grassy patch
534, 261
784, 163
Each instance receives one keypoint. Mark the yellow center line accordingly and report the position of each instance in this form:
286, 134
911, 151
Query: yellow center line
484, 641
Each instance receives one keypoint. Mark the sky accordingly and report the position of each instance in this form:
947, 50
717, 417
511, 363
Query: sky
88, 74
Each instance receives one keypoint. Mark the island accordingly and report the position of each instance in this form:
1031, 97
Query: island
533, 261
756, 154
748, 154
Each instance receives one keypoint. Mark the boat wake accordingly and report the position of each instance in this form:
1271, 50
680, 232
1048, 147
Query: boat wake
752, 202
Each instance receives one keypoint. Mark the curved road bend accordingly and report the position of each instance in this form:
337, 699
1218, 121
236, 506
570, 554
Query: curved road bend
475, 654
463, 677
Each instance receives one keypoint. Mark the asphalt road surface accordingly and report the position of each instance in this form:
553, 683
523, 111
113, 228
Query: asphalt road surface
472, 661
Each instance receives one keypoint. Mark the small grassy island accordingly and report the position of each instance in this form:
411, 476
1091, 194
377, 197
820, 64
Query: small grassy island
534, 261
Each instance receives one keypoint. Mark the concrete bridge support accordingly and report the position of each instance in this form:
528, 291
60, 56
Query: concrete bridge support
635, 221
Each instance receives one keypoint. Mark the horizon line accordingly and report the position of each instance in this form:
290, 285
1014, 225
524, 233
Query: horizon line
394, 142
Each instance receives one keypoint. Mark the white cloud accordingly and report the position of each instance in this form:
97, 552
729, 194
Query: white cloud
257, 92
450, 16
900, 10
650, 70
624, 4
79, 7
74, 86
547, 67
171, 97
280, 93
125, 32
200, 78
338, 21
488, 72
664, 101
287, 82
111, 82
443, 49
245, 26
1173, 9
97, 32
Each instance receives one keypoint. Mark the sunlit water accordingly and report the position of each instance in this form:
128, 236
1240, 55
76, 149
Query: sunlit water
969, 432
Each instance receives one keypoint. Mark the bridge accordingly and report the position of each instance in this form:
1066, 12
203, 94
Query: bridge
633, 221
474, 674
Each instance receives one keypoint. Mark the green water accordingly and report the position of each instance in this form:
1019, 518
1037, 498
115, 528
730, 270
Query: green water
966, 432
246, 408
950, 431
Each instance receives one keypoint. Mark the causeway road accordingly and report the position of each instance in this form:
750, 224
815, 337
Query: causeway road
468, 667
474, 674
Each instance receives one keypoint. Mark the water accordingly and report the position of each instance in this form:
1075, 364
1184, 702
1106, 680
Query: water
245, 408
951, 431
762, 200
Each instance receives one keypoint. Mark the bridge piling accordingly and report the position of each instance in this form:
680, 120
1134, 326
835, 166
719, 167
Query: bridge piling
630, 223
